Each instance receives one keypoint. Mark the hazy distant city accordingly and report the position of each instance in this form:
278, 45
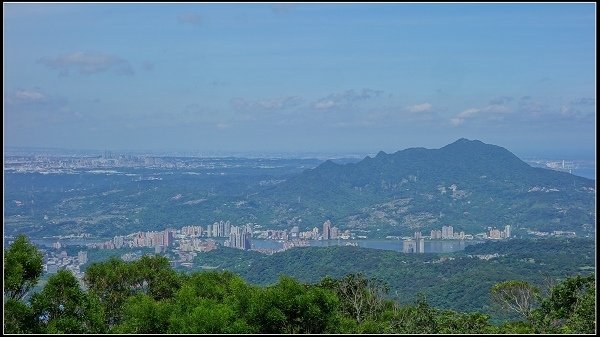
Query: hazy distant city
182, 245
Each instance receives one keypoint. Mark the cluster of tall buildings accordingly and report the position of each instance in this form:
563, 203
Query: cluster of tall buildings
191, 230
54, 262
195, 244
328, 232
140, 239
416, 245
494, 233
220, 229
160, 240
239, 237
447, 232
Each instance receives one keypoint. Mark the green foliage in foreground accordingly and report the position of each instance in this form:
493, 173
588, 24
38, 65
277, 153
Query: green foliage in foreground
148, 296
22, 268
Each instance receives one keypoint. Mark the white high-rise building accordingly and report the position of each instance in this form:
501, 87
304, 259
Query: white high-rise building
82, 257
447, 232
295, 232
409, 246
507, 231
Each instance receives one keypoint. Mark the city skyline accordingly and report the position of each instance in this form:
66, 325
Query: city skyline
339, 78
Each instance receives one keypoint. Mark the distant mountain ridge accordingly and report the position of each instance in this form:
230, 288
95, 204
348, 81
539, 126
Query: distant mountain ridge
467, 183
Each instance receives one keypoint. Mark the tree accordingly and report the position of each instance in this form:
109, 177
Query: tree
517, 296
154, 276
362, 297
22, 268
63, 307
570, 307
583, 318
418, 318
451, 322
111, 281
211, 302
114, 280
144, 315
292, 307
18, 318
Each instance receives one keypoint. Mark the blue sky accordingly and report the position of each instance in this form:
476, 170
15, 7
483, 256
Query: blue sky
300, 77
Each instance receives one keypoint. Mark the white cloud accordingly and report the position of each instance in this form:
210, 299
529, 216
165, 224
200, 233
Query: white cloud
25, 96
424, 107
345, 98
324, 104
456, 121
493, 111
462, 116
577, 111
36, 106
496, 108
87, 63
468, 113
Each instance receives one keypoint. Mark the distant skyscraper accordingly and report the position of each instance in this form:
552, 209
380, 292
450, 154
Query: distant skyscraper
239, 238
335, 232
221, 229
409, 246
421, 245
447, 232
157, 239
82, 257
168, 238
507, 231
327, 230
227, 228
247, 243
436, 234
418, 235
118, 241
295, 231
495, 234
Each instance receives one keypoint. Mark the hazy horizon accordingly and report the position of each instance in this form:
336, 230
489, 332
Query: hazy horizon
298, 78
222, 153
